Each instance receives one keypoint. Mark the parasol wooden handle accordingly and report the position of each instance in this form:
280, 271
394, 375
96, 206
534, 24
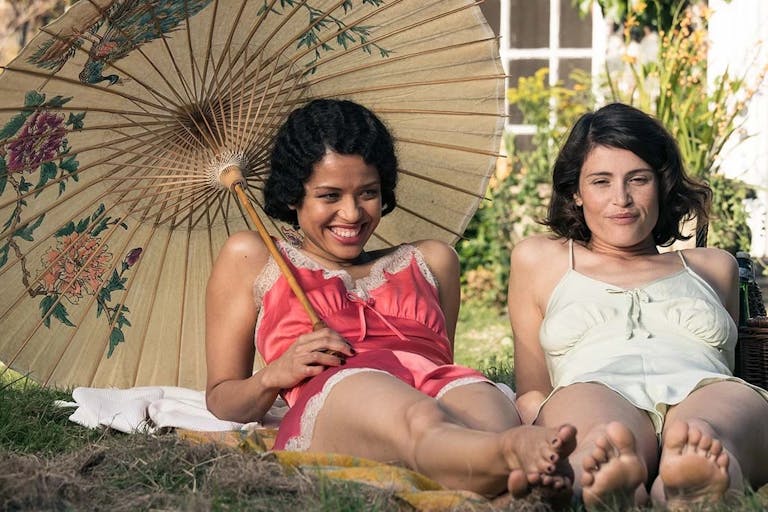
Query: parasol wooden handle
237, 187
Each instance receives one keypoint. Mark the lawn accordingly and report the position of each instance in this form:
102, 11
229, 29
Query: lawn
52, 464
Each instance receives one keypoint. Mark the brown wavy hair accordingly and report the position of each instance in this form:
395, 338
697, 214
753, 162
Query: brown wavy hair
625, 127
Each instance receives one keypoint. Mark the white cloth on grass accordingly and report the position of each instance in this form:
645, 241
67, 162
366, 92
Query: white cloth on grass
149, 408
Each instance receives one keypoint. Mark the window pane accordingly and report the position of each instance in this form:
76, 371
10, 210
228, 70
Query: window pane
575, 31
529, 23
518, 69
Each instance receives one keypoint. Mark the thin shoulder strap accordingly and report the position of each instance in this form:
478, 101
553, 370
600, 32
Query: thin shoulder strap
682, 258
570, 250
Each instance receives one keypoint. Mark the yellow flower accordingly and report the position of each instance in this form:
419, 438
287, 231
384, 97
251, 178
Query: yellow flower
629, 59
639, 6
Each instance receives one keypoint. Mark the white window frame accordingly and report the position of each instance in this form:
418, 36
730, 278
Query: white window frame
553, 53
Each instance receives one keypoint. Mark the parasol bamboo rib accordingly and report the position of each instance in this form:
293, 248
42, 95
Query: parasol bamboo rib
450, 146
71, 81
437, 182
64, 108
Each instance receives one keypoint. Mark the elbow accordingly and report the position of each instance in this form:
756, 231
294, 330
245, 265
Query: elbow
222, 403
213, 405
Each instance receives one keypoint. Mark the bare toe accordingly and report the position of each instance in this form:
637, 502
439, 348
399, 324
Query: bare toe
693, 467
614, 472
517, 483
538, 461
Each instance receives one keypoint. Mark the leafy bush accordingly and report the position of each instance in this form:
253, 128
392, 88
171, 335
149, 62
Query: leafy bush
519, 193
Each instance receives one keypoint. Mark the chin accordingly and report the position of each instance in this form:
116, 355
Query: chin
347, 251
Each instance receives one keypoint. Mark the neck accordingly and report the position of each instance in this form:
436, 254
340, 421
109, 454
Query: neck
645, 248
361, 259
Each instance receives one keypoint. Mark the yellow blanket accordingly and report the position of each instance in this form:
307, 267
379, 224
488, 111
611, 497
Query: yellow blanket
419, 491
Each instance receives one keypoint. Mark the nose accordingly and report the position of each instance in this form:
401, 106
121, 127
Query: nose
349, 210
621, 194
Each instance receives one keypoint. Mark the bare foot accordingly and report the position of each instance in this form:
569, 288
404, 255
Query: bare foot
613, 471
693, 467
539, 457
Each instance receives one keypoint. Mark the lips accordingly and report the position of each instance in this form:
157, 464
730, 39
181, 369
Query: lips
624, 218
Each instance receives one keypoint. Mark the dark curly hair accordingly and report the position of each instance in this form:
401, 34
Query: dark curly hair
309, 132
624, 127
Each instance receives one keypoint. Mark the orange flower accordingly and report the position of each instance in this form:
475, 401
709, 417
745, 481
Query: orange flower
67, 274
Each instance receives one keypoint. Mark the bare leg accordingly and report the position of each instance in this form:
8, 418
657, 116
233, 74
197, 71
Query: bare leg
616, 443
715, 441
483, 406
376, 416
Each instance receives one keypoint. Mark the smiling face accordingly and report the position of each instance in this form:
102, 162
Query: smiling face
618, 192
341, 207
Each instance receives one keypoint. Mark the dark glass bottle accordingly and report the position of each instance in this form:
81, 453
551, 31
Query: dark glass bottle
746, 280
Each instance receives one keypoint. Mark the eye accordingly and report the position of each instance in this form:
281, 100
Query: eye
640, 180
370, 193
600, 181
329, 196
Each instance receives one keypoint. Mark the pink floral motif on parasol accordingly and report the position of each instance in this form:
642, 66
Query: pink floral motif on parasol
40, 140
68, 275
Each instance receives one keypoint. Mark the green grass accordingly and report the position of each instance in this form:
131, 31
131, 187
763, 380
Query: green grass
50, 463
484, 341
30, 422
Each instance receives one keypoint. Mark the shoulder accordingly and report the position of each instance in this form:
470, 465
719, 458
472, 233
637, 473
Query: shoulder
440, 257
716, 266
245, 247
435, 250
245, 242
537, 250
706, 258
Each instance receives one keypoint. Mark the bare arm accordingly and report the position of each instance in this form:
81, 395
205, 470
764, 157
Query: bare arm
527, 282
233, 392
230, 319
444, 264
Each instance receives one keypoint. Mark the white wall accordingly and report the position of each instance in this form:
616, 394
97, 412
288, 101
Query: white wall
739, 34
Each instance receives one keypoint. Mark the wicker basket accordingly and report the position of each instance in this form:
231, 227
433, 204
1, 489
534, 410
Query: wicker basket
752, 352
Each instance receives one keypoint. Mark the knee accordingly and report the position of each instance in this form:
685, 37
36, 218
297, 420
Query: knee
422, 419
423, 416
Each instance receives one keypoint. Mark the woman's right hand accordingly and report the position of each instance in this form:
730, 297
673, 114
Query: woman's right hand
308, 356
